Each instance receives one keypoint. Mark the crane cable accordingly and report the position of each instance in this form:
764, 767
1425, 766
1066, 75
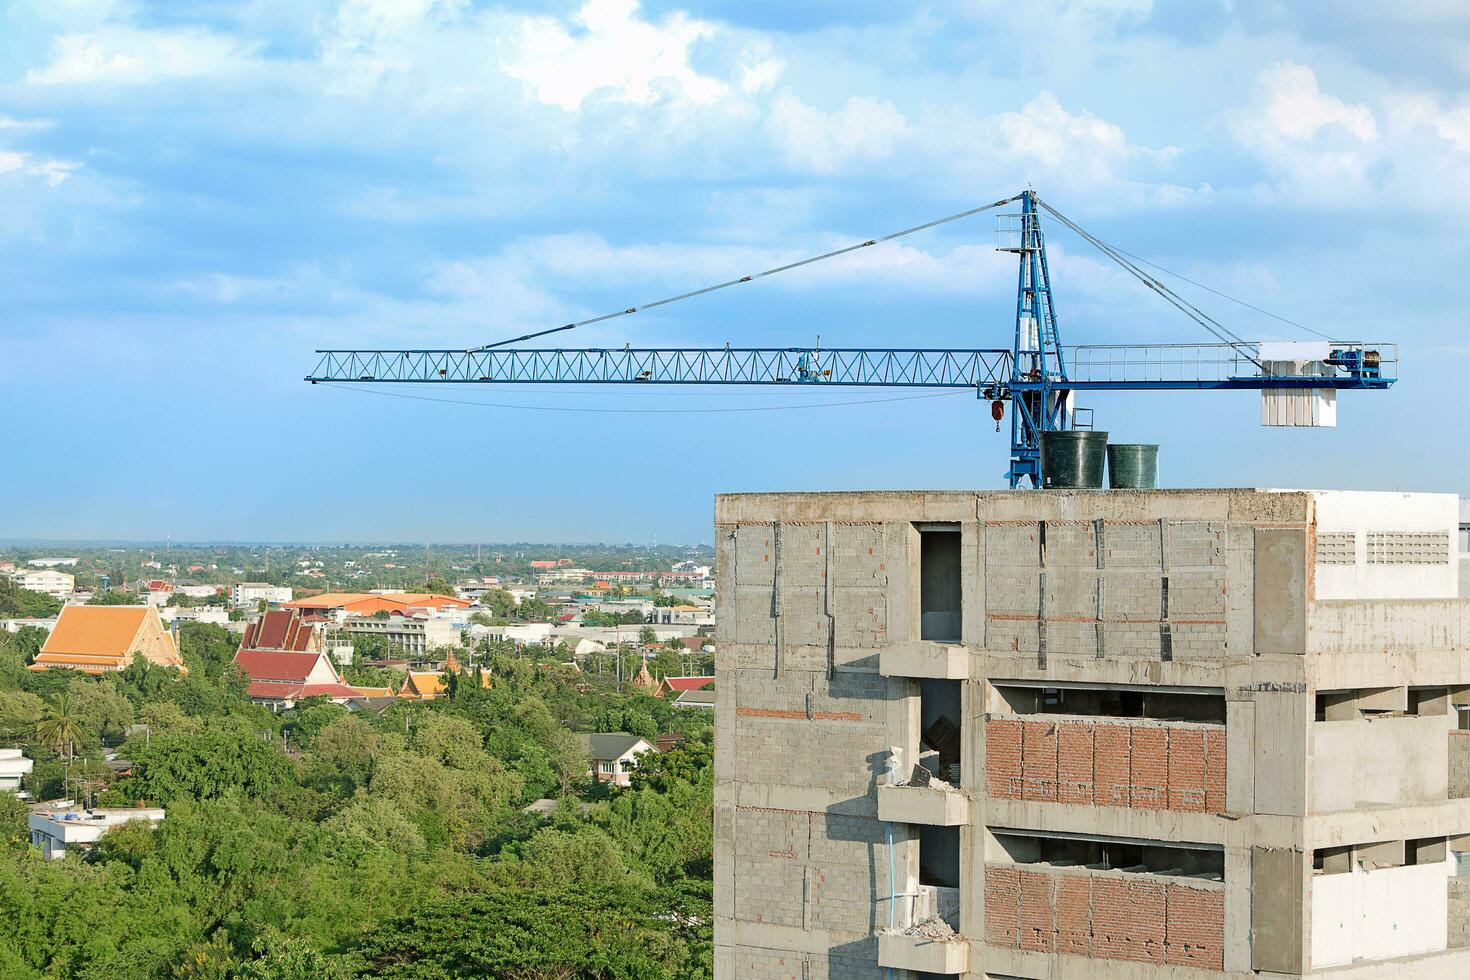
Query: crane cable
1220, 331
750, 278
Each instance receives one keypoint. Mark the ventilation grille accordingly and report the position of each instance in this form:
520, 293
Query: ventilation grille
1337, 548
1408, 548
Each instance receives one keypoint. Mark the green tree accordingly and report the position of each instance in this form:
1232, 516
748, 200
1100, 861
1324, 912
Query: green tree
438, 586
502, 604
647, 637
204, 765
279, 956
573, 933
19, 603
19, 712
114, 597
208, 647
101, 708
60, 727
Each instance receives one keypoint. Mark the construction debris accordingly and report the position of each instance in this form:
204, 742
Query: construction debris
934, 928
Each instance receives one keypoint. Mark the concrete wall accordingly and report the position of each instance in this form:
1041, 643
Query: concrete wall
1402, 545
1376, 915
1396, 759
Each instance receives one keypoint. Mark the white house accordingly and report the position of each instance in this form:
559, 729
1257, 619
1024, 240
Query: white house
614, 755
14, 767
55, 832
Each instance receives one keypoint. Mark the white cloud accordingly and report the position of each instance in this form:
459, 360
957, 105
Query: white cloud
128, 56
615, 52
1322, 147
52, 172
24, 125
863, 130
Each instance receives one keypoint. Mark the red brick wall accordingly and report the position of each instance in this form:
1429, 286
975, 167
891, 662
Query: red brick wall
1105, 916
1112, 764
1127, 920
1039, 761
1002, 906
1075, 777
1187, 770
1074, 914
1215, 771
1196, 928
1155, 767
1038, 900
1003, 758
1148, 777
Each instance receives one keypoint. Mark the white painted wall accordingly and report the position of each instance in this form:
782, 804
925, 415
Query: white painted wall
1374, 915
1400, 759
1364, 512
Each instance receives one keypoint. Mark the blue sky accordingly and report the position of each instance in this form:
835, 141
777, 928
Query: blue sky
196, 194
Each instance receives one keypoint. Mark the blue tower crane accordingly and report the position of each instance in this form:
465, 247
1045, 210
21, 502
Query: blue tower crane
1037, 374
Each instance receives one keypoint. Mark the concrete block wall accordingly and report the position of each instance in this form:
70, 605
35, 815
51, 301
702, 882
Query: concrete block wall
1459, 912
1459, 787
1105, 915
1142, 764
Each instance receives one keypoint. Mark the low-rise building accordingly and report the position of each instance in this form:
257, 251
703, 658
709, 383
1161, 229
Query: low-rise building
614, 755
696, 699
102, 639
672, 687
47, 623
173, 615
252, 593
57, 831
58, 585
415, 637
14, 767
344, 604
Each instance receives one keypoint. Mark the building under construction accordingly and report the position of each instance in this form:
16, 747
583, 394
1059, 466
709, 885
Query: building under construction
1119, 734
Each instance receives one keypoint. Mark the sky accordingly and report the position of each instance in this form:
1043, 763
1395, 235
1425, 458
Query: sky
197, 194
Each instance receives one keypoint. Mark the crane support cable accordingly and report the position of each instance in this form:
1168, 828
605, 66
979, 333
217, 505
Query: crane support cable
752, 277
1219, 330
1223, 295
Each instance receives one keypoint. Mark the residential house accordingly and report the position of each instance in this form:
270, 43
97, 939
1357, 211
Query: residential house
101, 639
675, 686
614, 755
14, 767
47, 623
156, 592
57, 831
696, 699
